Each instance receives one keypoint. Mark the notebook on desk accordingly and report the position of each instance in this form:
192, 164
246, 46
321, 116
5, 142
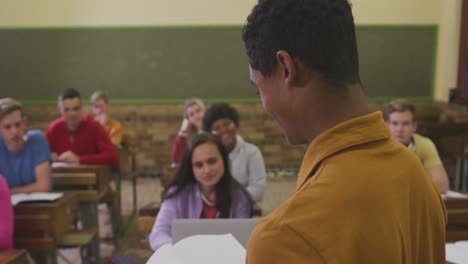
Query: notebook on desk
34, 197
239, 228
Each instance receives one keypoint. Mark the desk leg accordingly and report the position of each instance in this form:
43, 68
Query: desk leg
89, 219
44, 257
118, 231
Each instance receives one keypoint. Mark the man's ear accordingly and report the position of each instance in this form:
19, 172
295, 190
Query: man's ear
286, 67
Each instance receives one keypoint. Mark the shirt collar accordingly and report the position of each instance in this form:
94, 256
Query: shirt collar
360, 130
239, 142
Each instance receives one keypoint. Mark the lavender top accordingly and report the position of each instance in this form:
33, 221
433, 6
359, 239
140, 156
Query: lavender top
188, 204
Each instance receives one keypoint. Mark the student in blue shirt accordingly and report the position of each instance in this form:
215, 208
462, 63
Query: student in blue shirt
26, 158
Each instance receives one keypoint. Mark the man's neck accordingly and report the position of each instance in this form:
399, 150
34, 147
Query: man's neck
334, 107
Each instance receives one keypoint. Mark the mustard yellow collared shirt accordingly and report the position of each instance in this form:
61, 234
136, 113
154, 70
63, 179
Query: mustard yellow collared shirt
115, 131
360, 198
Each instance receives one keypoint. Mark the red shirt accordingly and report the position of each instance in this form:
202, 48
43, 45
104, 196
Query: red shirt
178, 149
209, 211
89, 141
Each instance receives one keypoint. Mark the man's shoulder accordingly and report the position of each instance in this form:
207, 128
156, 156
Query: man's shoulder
421, 139
35, 135
249, 147
114, 123
56, 124
92, 123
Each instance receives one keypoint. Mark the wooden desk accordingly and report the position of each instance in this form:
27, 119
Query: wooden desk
39, 226
457, 214
91, 183
13, 257
62, 177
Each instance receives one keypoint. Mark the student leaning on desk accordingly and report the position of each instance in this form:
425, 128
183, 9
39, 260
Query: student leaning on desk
25, 156
203, 187
401, 119
194, 110
78, 138
101, 114
360, 197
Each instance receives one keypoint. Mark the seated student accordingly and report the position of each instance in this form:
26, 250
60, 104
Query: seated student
401, 119
247, 163
194, 109
101, 113
78, 138
24, 156
202, 188
6, 216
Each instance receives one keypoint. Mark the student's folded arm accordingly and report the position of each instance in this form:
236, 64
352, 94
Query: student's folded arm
42, 183
161, 233
257, 175
439, 177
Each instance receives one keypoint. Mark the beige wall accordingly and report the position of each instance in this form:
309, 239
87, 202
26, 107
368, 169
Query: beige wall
45, 13
186, 12
448, 48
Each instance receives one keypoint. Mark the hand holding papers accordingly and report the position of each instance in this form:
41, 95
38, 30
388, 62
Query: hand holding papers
201, 249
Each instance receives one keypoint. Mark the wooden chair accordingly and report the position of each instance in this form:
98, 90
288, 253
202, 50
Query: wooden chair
79, 239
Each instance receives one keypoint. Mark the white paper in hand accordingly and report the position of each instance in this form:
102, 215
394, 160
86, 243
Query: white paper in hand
457, 252
201, 249
452, 194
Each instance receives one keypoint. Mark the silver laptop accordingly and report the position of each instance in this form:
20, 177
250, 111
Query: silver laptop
239, 228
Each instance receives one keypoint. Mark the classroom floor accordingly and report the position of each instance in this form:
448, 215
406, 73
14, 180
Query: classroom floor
279, 186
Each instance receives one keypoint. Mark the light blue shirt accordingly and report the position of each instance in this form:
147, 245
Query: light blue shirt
19, 168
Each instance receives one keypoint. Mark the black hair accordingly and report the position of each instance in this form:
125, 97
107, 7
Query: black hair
219, 111
225, 189
69, 93
320, 33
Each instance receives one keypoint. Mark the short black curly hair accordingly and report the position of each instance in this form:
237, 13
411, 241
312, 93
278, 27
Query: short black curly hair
219, 111
320, 33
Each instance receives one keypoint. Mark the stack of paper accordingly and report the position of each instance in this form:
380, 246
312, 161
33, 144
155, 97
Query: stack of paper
457, 252
201, 249
452, 194
36, 196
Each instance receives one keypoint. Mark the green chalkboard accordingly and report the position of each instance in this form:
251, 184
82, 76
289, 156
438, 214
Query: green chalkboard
178, 62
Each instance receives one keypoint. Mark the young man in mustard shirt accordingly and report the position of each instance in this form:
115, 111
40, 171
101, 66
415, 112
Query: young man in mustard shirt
360, 196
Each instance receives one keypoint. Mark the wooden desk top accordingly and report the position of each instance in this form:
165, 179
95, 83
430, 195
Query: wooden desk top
103, 174
48, 221
13, 257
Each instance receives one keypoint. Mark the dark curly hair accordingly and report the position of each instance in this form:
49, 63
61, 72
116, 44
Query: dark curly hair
318, 32
219, 111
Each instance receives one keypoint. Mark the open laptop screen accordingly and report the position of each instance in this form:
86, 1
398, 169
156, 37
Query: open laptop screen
239, 228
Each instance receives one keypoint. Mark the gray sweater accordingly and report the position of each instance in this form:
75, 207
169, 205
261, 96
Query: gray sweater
248, 167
